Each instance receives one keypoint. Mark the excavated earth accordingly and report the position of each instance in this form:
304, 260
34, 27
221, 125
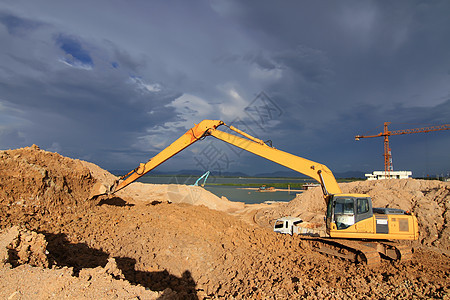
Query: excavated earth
180, 242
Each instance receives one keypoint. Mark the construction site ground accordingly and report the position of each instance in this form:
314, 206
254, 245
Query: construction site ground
182, 242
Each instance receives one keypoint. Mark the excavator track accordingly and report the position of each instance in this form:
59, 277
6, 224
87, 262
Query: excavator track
396, 251
360, 251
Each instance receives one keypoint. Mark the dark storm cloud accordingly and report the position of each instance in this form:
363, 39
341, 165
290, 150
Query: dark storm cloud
119, 84
83, 108
370, 45
310, 64
17, 25
83, 112
346, 69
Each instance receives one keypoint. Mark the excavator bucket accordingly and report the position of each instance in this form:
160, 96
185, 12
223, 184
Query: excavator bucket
98, 189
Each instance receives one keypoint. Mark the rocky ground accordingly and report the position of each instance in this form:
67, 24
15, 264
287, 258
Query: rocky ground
179, 242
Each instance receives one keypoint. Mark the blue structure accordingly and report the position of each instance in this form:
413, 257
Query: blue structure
204, 176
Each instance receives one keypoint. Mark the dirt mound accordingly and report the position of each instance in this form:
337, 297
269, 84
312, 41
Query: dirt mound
61, 284
172, 193
429, 200
23, 267
36, 183
178, 249
176, 193
19, 246
198, 252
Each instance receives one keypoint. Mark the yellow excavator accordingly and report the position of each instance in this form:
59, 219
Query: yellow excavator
355, 230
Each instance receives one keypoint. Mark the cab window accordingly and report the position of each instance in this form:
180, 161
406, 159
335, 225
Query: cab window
329, 208
344, 206
279, 224
362, 205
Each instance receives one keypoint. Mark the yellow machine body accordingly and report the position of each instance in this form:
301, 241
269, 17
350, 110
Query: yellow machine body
363, 222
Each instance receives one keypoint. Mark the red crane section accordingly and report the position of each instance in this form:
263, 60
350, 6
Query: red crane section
386, 133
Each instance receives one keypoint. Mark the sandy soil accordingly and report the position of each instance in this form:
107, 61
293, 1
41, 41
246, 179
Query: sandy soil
171, 241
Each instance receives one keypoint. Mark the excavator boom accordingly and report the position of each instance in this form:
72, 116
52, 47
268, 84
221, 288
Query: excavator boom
315, 170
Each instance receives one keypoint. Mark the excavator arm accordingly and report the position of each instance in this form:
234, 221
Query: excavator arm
199, 131
251, 144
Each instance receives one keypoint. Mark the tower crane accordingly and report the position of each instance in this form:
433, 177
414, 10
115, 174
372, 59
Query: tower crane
386, 133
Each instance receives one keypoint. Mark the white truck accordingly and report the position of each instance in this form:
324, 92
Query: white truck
295, 225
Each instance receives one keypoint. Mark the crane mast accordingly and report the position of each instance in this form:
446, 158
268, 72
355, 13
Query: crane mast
386, 133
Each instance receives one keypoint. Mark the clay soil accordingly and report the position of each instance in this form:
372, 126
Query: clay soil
180, 242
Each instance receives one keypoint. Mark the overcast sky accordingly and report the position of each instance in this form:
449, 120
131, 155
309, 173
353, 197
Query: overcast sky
114, 82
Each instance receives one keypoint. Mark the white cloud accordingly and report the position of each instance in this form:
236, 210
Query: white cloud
258, 73
156, 139
191, 109
224, 8
143, 86
234, 104
75, 64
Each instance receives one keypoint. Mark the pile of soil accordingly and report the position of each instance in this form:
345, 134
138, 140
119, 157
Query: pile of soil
176, 193
36, 184
170, 193
18, 247
157, 244
21, 251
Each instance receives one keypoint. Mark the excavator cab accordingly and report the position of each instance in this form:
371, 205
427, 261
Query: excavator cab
352, 216
347, 210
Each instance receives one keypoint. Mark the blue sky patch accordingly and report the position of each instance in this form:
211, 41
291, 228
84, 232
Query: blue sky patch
76, 55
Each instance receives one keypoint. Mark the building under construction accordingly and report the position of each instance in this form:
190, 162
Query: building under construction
377, 175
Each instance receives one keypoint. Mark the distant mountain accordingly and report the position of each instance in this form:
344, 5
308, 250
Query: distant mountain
348, 174
281, 174
277, 174
213, 173
234, 174
123, 172
183, 173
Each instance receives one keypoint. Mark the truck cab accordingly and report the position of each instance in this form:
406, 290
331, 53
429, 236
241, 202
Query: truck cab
287, 225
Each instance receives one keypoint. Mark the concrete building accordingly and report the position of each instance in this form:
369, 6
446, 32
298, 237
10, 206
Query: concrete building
377, 175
